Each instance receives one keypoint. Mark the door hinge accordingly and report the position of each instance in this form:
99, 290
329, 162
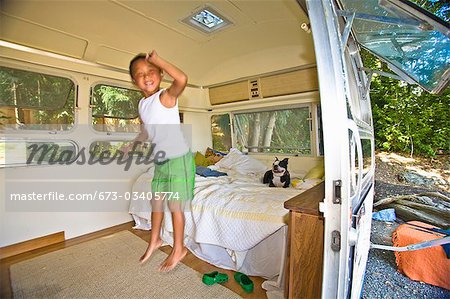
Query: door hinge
335, 240
337, 199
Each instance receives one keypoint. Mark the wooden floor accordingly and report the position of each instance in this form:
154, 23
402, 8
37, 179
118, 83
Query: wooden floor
190, 260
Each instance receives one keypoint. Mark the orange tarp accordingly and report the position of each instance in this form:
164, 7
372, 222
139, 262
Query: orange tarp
429, 265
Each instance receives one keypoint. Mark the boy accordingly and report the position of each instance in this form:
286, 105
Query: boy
173, 179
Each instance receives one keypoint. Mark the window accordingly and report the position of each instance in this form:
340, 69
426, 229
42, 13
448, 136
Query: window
358, 107
115, 109
360, 136
404, 40
111, 148
19, 152
367, 147
319, 131
221, 132
35, 101
286, 131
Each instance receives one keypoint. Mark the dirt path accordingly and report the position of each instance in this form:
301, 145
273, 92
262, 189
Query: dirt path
435, 172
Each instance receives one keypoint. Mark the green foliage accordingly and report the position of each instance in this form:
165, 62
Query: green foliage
45, 99
33, 90
116, 102
407, 118
115, 109
439, 8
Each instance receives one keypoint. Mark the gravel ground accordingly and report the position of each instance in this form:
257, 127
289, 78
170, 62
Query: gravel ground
382, 280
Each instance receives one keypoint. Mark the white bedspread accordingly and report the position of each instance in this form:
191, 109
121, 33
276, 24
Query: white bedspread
231, 216
235, 211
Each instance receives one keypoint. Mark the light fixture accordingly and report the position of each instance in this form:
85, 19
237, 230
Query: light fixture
207, 20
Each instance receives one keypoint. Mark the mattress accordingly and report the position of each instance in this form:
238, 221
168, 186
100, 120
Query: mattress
236, 222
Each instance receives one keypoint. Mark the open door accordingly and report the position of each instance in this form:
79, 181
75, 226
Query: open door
417, 50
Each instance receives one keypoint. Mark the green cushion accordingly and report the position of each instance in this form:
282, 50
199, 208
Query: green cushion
201, 160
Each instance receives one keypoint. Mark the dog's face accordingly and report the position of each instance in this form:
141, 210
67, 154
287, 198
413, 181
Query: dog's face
279, 167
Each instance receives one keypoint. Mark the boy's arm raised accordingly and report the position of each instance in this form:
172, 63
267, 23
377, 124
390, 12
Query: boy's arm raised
169, 98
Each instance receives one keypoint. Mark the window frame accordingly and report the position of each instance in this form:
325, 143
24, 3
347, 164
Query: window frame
230, 117
26, 140
317, 119
112, 83
99, 140
312, 124
51, 72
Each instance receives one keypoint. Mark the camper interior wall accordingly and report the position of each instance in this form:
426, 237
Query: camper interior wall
20, 226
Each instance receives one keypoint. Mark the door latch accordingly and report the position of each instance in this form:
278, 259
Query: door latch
337, 199
335, 240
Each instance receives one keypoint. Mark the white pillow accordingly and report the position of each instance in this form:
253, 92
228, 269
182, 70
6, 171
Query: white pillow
241, 163
231, 159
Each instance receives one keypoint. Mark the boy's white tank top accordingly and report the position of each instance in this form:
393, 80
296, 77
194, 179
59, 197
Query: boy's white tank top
163, 126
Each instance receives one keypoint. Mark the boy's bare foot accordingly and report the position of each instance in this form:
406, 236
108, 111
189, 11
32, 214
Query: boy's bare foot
173, 259
152, 246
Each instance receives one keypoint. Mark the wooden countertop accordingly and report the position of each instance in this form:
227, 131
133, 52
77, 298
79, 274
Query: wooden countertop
308, 201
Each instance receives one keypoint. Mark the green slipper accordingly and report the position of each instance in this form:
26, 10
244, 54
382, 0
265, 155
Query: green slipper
214, 277
245, 282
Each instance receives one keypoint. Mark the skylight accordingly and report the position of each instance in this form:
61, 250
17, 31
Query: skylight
207, 20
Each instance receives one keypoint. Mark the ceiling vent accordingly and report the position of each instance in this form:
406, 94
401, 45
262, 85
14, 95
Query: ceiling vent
207, 20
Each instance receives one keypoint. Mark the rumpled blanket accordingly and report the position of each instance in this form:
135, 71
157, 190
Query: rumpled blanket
206, 172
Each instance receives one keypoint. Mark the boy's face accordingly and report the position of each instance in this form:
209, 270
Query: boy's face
146, 77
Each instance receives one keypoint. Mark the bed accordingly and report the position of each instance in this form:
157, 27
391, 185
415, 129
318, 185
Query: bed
236, 221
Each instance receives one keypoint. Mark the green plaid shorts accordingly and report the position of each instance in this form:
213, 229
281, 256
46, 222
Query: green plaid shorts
174, 179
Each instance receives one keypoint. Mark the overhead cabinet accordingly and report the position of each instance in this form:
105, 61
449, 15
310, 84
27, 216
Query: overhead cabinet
293, 82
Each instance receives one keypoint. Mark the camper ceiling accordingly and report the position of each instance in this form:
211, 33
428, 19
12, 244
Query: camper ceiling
265, 36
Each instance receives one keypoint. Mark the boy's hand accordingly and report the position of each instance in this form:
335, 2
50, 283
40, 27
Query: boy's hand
152, 56
169, 97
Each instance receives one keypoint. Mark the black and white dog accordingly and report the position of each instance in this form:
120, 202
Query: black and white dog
279, 175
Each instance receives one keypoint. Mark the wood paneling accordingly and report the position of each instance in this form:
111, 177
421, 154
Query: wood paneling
29, 245
229, 93
305, 250
307, 202
306, 256
270, 86
289, 83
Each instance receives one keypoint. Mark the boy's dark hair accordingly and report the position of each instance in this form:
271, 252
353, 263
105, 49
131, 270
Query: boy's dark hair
136, 58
